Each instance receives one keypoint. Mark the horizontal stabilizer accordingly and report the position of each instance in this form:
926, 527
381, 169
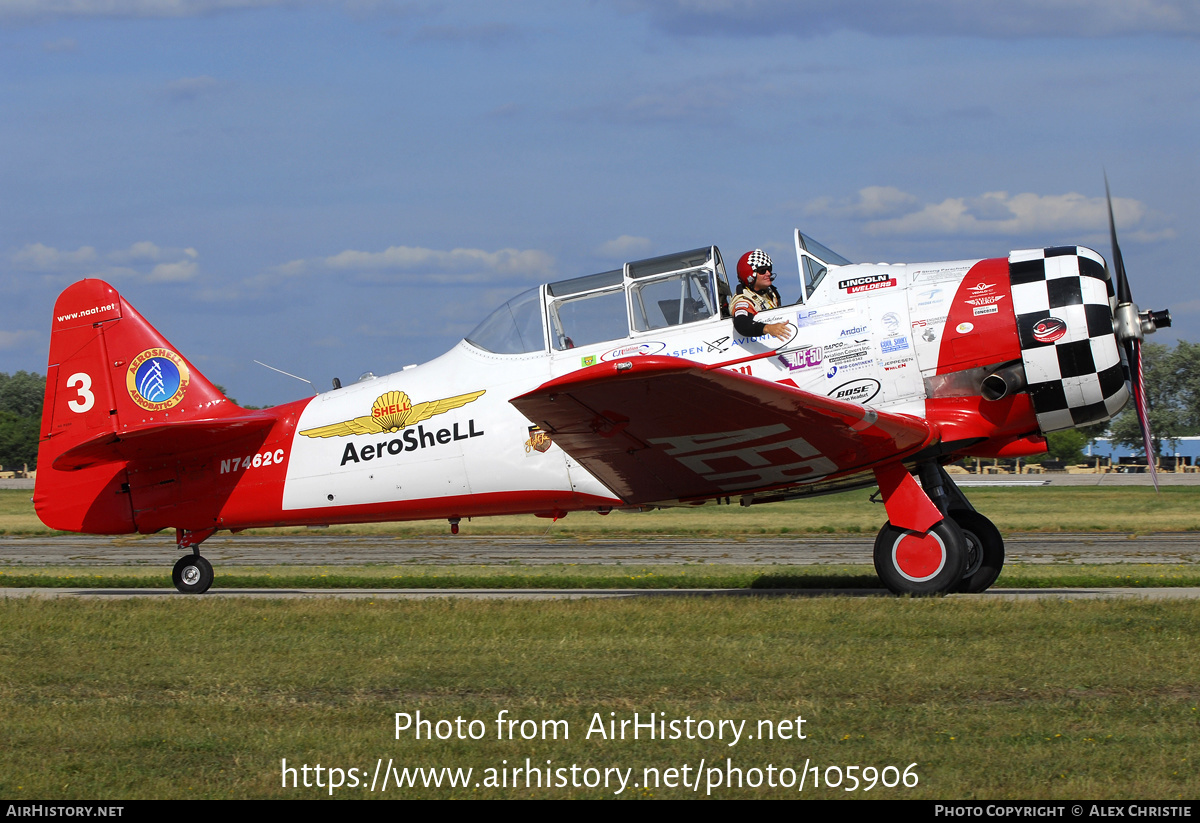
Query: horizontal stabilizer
177, 439
658, 429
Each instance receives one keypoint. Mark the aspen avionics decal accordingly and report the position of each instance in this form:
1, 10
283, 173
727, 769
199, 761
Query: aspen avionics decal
157, 379
393, 411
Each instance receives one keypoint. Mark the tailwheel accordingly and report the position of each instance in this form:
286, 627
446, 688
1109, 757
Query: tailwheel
985, 551
192, 574
921, 564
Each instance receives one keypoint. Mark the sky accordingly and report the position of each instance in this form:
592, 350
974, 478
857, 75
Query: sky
341, 187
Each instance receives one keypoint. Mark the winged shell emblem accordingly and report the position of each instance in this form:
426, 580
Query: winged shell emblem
391, 412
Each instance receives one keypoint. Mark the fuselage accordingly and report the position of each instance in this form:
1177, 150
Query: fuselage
442, 440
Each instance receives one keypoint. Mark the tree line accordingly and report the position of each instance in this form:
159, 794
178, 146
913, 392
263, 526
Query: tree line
1172, 393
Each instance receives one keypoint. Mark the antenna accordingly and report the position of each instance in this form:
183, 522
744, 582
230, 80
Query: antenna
289, 374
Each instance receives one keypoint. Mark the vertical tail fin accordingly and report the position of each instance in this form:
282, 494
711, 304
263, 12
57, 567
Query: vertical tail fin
113, 385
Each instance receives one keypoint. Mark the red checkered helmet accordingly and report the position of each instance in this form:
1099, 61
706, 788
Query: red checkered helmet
751, 262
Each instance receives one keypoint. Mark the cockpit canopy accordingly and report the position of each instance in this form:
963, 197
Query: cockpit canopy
642, 296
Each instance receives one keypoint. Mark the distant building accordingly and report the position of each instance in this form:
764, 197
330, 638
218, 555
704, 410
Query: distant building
1187, 448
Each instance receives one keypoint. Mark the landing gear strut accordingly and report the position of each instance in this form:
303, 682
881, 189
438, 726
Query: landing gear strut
192, 574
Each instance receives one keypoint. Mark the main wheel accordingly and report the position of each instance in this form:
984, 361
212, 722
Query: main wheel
192, 574
921, 564
985, 551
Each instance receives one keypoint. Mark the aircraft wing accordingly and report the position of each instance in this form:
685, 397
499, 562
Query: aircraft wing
656, 429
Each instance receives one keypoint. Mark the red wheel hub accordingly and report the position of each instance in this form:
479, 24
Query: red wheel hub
919, 557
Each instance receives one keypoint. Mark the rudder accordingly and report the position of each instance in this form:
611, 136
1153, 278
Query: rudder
113, 385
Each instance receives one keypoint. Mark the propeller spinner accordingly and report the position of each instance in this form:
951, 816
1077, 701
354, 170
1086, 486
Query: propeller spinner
1131, 326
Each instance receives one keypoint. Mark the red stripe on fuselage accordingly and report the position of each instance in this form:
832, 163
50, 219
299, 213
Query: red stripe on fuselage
981, 329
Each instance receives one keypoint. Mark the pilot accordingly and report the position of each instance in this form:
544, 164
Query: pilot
756, 294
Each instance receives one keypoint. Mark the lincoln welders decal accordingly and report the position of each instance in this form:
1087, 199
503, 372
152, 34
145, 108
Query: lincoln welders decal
869, 282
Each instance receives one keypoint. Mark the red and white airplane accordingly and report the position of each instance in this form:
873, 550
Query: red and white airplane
628, 388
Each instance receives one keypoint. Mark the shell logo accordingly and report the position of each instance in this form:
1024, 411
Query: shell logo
391, 412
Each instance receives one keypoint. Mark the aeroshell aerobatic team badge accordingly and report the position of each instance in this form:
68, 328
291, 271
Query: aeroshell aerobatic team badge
157, 379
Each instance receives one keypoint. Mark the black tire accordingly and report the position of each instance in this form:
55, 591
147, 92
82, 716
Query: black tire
921, 564
192, 574
985, 551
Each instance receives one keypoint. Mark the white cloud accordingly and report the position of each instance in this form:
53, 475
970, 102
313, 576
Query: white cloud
63, 46
40, 257
177, 272
625, 247
16, 339
189, 88
35, 9
888, 211
979, 18
416, 259
873, 202
143, 260
998, 213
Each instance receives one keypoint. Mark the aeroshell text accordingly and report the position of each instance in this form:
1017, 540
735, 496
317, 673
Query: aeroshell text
410, 440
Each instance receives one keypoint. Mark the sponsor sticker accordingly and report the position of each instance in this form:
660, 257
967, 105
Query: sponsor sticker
803, 358
1049, 329
635, 349
891, 323
538, 441
891, 345
978, 310
587, 360
868, 282
391, 412
157, 379
862, 390
964, 328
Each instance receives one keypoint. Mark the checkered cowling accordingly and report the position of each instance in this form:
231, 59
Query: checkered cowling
1064, 303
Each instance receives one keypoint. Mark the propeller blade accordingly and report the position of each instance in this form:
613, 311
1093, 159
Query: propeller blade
1143, 411
1122, 282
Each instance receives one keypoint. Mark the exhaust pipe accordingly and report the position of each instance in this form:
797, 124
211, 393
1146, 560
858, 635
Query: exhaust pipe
1003, 381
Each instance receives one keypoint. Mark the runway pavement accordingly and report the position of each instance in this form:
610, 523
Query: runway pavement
355, 550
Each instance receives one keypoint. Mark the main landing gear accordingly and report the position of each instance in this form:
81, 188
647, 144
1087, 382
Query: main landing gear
962, 553
192, 574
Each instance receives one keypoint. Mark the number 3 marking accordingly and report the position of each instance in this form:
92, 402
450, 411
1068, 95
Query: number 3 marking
86, 399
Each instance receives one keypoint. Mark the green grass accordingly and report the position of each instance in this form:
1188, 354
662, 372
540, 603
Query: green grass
591, 576
1044, 508
203, 698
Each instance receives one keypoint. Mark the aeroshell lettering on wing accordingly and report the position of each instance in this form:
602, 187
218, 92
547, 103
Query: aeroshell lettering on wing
746, 458
862, 390
633, 350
